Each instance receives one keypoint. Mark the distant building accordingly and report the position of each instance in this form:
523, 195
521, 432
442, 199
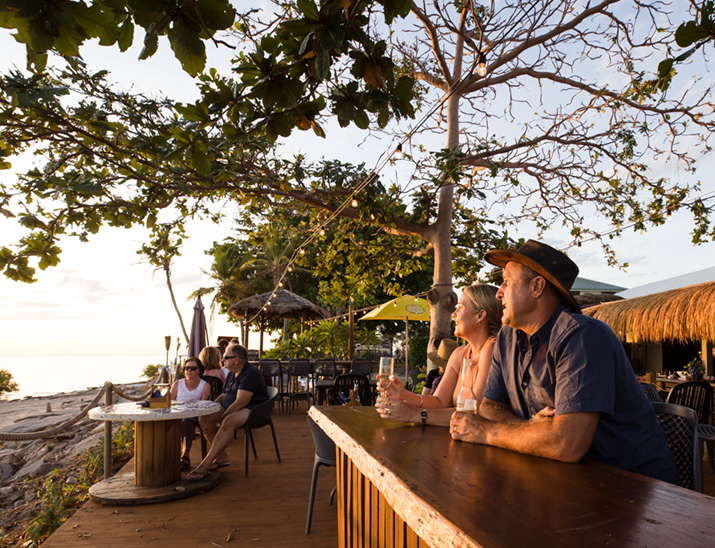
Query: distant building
582, 286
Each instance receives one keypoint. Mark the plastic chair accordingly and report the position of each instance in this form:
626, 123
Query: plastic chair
259, 417
345, 383
327, 371
698, 396
681, 428
325, 456
361, 367
270, 369
651, 392
297, 370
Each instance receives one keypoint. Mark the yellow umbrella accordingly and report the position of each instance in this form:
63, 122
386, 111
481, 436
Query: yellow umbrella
402, 308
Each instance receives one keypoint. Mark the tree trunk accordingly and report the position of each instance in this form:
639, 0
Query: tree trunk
441, 297
167, 270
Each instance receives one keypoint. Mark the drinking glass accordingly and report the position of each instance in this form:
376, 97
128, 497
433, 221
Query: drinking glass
387, 369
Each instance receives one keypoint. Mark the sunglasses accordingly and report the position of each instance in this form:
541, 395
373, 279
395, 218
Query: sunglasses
192, 368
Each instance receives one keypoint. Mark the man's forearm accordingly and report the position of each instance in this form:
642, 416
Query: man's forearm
498, 412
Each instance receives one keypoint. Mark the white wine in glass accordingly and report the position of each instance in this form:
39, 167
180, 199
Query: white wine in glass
387, 369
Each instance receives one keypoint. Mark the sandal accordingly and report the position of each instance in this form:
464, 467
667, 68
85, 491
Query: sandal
217, 465
196, 476
185, 462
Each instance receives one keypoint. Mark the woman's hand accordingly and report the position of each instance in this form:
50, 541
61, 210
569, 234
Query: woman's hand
393, 390
393, 408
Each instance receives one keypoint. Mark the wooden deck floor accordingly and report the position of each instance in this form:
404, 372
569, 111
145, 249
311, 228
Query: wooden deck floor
267, 508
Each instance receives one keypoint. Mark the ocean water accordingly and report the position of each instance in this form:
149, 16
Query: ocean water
43, 375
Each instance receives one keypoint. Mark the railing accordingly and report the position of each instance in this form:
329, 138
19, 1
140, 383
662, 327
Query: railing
107, 390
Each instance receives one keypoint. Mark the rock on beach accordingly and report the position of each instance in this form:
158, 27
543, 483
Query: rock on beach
35, 459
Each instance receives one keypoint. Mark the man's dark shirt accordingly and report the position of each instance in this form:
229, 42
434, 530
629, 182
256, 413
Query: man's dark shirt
576, 364
249, 379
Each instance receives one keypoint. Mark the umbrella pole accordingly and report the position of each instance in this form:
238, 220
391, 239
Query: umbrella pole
407, 348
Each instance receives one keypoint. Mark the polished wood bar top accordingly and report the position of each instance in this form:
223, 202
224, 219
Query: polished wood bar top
456, 494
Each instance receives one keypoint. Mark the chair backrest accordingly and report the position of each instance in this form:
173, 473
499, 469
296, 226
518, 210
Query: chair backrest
361, 367
345, 383
269, 368
260, 414
325, 368
698, 395
215, 384
324, 446
299, 368
651, 392
681, 428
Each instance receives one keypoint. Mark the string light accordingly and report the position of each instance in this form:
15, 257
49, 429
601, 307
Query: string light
398, 152
280, 284
579, 249
669, 216
482, 66
302, 251
354, 203
322, 232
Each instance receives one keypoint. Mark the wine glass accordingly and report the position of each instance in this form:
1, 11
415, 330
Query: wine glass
387, 369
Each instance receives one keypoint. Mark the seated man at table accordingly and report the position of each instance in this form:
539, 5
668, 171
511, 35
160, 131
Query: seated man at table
244, 389
560, 384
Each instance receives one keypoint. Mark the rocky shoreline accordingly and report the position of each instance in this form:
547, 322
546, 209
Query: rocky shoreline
25, 464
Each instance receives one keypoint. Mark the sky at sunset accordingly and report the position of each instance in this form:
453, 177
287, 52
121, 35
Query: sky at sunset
102, 300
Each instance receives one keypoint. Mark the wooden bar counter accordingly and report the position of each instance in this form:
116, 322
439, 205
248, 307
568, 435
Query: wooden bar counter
411, 486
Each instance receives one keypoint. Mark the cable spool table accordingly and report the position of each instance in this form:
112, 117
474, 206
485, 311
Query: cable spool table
157, 452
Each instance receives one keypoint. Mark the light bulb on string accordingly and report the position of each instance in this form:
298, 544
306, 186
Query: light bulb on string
290, 269
354, 203
280, 284
322, 232
578, 248
398, 152
302, 251
669, 216
482, 66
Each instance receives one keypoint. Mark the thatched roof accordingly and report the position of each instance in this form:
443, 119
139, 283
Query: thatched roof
585, 300
284, 304
685, 314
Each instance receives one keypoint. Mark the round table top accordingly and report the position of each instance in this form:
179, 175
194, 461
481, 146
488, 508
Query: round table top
132, 411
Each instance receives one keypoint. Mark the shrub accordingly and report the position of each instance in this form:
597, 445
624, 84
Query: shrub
151, 371
418, 351
7, 384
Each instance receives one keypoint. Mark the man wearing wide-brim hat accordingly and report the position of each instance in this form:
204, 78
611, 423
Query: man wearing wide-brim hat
560, 385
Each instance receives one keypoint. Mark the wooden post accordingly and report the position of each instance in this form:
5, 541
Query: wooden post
351, 332
707, 357
260, 344
108, 438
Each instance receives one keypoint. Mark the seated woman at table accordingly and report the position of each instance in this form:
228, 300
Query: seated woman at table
440, 358
210, 356
190, 388
477, 320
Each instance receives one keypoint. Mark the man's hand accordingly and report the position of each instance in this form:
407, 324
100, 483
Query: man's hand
468, 427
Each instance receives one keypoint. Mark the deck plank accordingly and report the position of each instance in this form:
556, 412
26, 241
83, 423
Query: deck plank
269, 506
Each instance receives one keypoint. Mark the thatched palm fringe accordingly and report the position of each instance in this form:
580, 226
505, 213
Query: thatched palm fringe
685, 314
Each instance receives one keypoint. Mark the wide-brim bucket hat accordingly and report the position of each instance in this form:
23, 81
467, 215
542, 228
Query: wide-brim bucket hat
543, 259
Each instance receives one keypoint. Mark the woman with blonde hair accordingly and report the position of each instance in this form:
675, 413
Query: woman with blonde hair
210, 356
477, 320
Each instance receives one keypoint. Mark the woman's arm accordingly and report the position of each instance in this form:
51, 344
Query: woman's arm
206, 392
445, 390
175, 389
485, 363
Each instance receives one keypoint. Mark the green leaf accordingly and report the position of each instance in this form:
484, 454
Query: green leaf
216, 14
308, 8
689, 33
322, 64
200, 161
126, 35
188, 46
95, 21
